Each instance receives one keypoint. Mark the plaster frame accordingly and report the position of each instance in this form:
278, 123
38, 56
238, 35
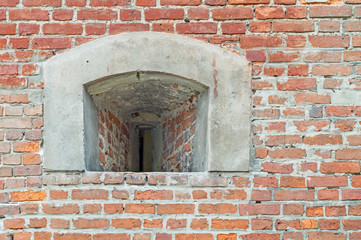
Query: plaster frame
226, 74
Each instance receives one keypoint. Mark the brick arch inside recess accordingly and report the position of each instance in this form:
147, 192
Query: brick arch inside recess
226, 74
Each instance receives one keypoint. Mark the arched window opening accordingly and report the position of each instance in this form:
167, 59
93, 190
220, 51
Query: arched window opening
148, 121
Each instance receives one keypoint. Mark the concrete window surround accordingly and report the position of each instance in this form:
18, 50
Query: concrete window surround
69, 142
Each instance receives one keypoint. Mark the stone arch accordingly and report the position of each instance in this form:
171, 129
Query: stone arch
226, 75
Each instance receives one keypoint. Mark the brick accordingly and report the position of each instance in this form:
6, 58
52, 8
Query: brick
328, 194
340, 167
127, 223
355, 236
211, 181
233, 28
58, 194
296, 84
279, 140
351, 194
216, 2
287, 153
8, 69
129, 15
29, 195
163, 14
277, 167
259, 209
15, 223
19, 43
348, 154
261, 195
62, 28
140, 208
328, 181
329, 41
6, 172
201, 223
352, 26
265, 181
115, 236
260, 41
312, 98
83, 223
274, 71
51, 43
18, 236
309, 224
329, 26
356, 181
68, 208
314, 211
109, 3
15, 183
146, 3
259, 26
288, 224
176, 223
265, 236
26, 147
37, 222
296, 41
268, 113
75, 3
354, 210
98, 14
326, 235
269, 13
180, 2
113, 178
345, 125
6, 209
193, 236
9, 3
330, 11
120, 194
293, 26
292, 182
339, 111
221, 208
296, 12
294, 195
80, 194
72, 236
175, 209
322, 56
240, 181
153, 195
29, 14
335, 211
329, 224
352, 56
27, 208
93, 208
62, 15
247, 2
57, 223
261, 223
332, 70
198, 13
137, 179
197, 28
232, 13
219, 223
127, 27
293, 209
324, 139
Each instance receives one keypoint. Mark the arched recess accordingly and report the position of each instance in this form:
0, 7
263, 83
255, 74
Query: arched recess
225, 75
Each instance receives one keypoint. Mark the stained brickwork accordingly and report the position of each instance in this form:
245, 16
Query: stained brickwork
304, 181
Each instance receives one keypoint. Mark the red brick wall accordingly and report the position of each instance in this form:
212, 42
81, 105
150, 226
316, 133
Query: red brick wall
178, 139
114, 149
304, 181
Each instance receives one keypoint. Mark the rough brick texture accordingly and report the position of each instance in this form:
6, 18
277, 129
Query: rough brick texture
304, 178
